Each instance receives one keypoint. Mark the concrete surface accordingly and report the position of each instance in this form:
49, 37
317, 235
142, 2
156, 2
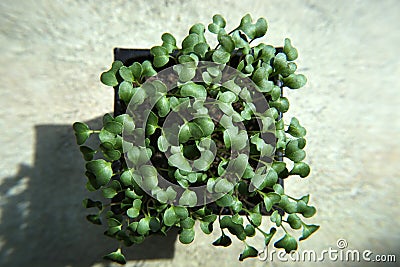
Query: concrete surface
52, 53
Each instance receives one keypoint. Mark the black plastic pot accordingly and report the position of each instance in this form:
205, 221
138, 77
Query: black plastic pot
128, 56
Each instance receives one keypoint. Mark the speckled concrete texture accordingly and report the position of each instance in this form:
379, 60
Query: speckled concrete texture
52, 53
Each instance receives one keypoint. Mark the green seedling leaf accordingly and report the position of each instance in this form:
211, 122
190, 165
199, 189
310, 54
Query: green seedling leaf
189, 42
294, 150
267, 53
143, 226
187, 223
305, 198
278, 189
264, 148
196, 91
218, 24
219, 20
188, 198
268, 237
308, 229
260, 181
105, 136
221, 56
235, 229
224, 241
136, 69
126, 121
162, 143
88, 203
295, 129
82, 132
126, 74
109, 192
201, 49
109, 151
248, 252
270, 199
226, 43
300, 168
305, 210
256, 218
295, 81
294, 221
134, 211
149, 175
205, 124
287, 242
227, 97
87, 152
170, 217
223, 186
278, 166
179, 161
261, 27
240, 41
236, 205
181, 212
154, 224
169, 42
139, 156
126, 91
253, 31
101, 169
185, 72
289, 50
236, 218
147, 69
186, 236
198, 29
113, 127
276, 93
161, 56
280, 63
152, 123
206, 227
163, 106
108, 78
116, 256
250, 230
287, 205
225, 201
94, 218
107, 118
281, 104
276, 218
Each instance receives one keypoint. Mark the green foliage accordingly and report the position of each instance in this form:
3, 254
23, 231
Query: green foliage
255, 194
287, 242
116, 256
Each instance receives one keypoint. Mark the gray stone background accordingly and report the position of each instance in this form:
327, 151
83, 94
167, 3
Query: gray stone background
52, 53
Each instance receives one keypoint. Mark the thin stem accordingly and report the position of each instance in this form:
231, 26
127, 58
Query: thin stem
284, 228
219, 220
292, 198
255, 226
261, 161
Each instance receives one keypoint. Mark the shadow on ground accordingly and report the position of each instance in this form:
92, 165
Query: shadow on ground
42, 219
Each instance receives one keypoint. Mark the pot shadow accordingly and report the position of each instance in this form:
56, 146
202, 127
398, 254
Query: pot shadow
42, 218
